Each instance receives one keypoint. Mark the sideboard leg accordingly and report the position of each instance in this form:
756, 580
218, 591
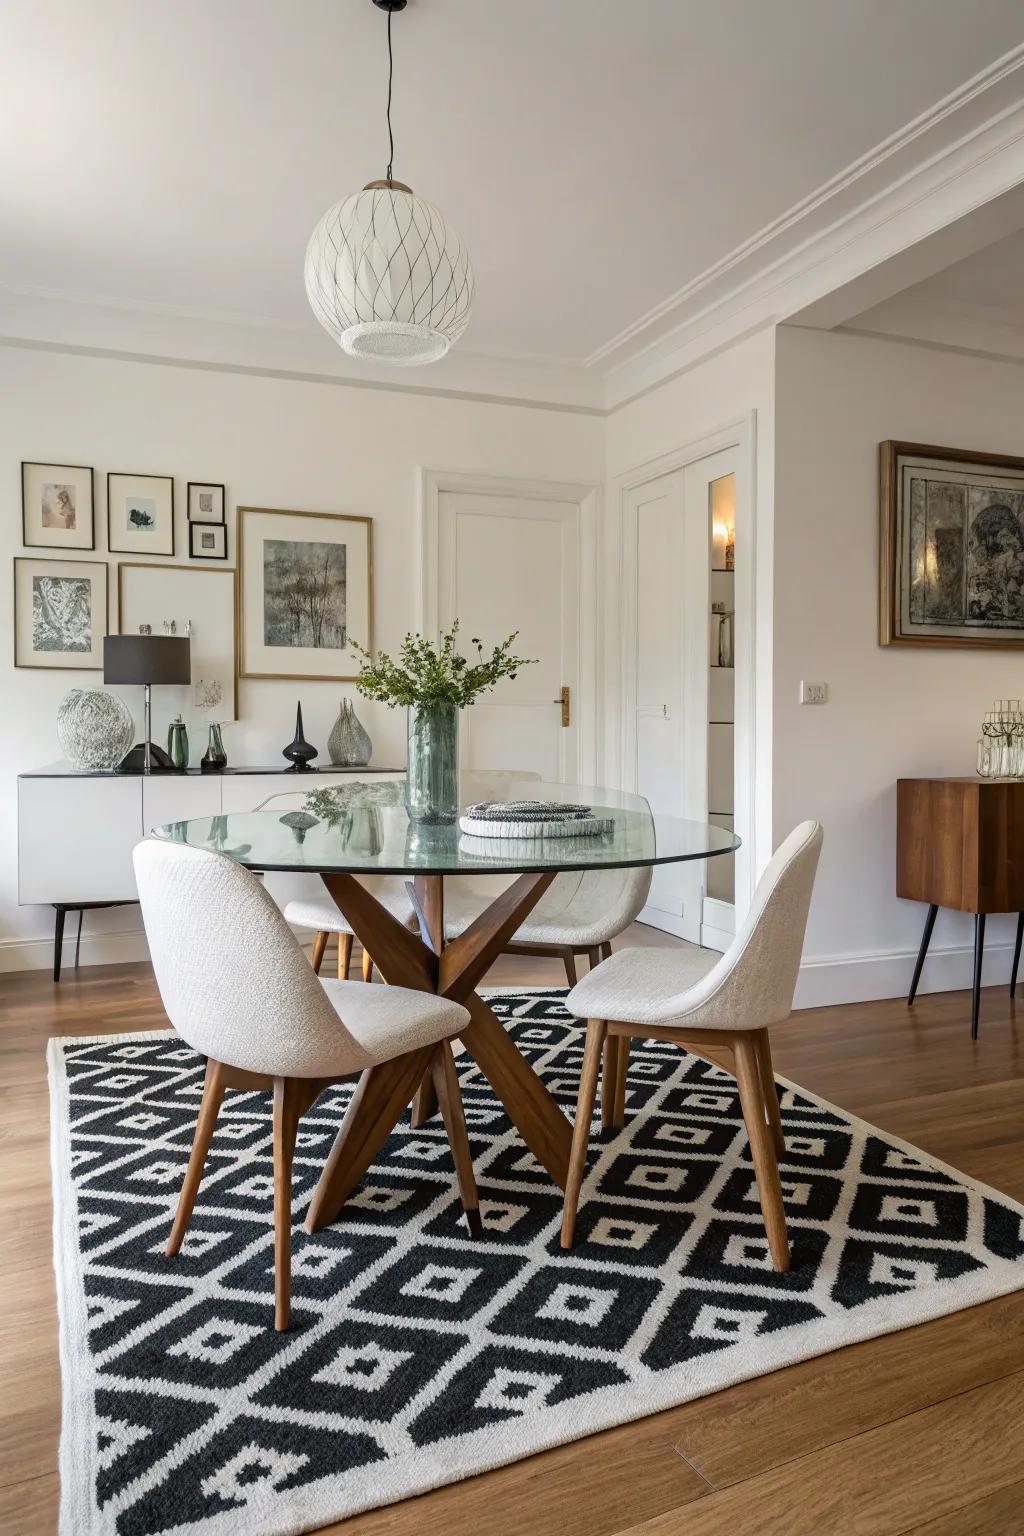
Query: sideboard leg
78, 936
58, 940
1016, 953
979, 951
929, 924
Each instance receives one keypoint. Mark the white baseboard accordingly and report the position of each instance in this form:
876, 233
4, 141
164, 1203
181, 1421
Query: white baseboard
97, 948
864, 978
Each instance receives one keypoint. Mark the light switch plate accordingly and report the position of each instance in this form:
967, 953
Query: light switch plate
813, 693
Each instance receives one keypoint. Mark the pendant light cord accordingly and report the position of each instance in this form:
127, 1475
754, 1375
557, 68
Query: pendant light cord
391, 71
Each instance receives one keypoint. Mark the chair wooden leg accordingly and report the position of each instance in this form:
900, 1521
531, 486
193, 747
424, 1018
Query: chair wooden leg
449, 1096
594, 956
747, 1048
344, 955
570, 966
367, 964
606, 950
291, 1094
619, 1107
319, 945
609, 1079
771, 1097
424, 1106
596, 1031
209, 1109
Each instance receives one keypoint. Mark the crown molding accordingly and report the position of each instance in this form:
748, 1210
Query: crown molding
965, 151
925, 182
156, 334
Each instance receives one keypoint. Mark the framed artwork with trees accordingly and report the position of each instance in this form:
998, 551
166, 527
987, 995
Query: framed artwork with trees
306, 597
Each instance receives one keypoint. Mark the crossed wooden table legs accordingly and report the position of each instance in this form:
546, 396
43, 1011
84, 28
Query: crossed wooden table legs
425, 963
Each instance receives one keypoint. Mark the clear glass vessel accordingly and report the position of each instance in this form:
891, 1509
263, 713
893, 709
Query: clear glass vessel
432, 771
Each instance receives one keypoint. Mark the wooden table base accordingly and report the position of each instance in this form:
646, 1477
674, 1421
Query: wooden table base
423, 962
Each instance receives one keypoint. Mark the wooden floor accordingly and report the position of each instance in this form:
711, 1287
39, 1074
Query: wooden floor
922, 1431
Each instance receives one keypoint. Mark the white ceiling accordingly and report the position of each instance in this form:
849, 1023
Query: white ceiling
979, 300
596, 155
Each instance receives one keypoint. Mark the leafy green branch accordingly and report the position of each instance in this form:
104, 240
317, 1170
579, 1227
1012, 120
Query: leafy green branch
425, 673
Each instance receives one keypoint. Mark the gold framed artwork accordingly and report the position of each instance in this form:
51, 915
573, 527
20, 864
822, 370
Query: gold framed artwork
305, 593
60, 613
57, 506
140, 514
198, 602
951, 547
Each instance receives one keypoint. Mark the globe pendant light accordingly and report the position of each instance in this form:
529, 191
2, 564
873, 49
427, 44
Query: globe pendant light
385, 275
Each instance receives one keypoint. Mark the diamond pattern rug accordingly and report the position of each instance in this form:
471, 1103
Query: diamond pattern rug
418, 1356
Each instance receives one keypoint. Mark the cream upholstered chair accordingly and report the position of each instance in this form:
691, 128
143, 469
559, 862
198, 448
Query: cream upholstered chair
579, 914
322, 914
237, 988
719, 1007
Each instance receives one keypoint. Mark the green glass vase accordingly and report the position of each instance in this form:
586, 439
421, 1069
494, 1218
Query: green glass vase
432, 769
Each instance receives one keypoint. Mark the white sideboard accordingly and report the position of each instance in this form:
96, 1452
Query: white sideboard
76, 830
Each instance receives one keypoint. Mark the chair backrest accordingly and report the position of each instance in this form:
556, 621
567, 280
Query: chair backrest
752, 985
605, 899
233, 980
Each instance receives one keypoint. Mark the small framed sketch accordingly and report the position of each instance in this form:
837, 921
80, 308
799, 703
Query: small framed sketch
205, 502
207, 541
306, 592
140, 514
57, 506
199, 603
60, 613
951, 569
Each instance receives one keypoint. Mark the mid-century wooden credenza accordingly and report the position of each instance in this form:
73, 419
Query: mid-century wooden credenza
960, 844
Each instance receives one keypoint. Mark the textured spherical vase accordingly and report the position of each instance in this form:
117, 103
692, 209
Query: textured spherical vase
388, 278
95, 728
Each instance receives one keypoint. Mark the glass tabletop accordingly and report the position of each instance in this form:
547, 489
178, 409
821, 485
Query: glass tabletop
363, 834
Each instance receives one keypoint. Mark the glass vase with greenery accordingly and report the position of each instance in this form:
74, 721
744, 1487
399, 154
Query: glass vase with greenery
433, 682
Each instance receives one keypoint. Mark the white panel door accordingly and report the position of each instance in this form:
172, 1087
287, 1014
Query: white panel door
507, 563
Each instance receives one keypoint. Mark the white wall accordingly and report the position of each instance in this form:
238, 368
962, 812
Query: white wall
736, 385
892, 712
275, 443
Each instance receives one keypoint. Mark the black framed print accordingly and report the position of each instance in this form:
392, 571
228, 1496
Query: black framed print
60, 613
140, 514
57, 506
207, 541
205, 501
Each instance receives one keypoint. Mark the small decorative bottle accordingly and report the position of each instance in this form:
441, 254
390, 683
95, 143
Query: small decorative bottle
214, 758
177, 744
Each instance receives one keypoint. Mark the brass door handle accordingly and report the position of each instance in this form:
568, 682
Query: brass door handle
563, 699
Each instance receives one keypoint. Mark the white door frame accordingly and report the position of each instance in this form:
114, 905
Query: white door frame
588, 502
741, 436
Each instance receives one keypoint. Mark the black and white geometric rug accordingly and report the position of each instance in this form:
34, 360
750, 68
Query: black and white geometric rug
416, 1355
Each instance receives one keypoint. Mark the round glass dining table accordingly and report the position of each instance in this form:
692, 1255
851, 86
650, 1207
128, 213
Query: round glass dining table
354, 836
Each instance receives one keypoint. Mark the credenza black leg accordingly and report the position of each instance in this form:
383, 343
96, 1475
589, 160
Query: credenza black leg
929, 924
78, 936
58, 940
979, 952
1016, 952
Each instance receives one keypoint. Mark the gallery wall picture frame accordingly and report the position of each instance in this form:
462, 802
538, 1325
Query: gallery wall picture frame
203, 603
205, 501
951, 547
58, 506
305, 593
140, 514
208, 541
60, 613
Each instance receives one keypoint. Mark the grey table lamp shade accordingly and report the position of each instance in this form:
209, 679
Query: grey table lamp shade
147, 659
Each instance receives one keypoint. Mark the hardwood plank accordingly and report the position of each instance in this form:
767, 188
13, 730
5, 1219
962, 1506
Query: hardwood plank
877, 1483
29, 1505
998, 1514
762, 1423
588, 1489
